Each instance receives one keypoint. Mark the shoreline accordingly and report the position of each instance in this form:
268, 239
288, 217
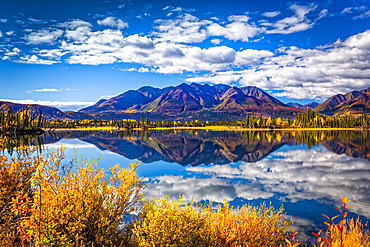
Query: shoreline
212, 128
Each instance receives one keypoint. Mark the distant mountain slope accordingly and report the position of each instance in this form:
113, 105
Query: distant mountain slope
180, 99
201, 102
48, 112
94, 106
359, 105
355, 102
261, 95
311, 105
78, 115
126, 100
295, 105
192, 101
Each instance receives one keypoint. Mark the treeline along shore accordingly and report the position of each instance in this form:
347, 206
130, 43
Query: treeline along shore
306, 120
24, 122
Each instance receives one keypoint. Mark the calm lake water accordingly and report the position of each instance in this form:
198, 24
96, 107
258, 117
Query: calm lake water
306, 171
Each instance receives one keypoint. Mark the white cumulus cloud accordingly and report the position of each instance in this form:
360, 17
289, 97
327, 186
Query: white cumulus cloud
295, 23
271, 14
239, 28
184, 29
303, 73
33, 59
143, 70
111, 21
43, 36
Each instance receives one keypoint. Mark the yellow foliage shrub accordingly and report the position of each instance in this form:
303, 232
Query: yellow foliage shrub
15, 175
170, 223
165, 222
75, 204
248, 226
355, 234
346, 233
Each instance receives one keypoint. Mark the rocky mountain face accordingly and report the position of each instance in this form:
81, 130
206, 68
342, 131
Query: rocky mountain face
355, 102
195, 100
48, 112
311, 105
201, 102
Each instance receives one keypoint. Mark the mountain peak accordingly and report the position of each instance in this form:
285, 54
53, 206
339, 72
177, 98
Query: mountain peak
202, 102
231, 92
341, 103
261, 95
305, 107
101, 101
48, 111
194, 99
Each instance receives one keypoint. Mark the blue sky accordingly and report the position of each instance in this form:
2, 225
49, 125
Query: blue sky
70, 54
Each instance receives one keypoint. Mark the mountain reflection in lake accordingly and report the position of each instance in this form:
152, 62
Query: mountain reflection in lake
307, 171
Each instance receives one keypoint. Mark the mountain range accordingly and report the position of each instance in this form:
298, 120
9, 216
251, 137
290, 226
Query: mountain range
355, 102
195, 101
48, 112
311, 105
202, 102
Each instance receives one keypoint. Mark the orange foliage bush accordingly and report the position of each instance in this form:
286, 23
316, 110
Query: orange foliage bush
355, 234
346, 233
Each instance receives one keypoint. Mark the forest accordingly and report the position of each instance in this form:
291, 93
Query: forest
308, 119
13, 123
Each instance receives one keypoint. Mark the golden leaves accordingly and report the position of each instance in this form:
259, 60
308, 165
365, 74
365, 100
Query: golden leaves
81, 203
165, 222
346, 233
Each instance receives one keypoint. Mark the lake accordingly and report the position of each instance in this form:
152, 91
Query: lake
305, 171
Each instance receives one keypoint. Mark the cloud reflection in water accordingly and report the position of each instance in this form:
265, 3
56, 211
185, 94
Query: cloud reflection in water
295, 175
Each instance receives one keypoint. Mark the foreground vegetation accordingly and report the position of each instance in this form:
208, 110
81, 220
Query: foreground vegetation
166, 222
45, 202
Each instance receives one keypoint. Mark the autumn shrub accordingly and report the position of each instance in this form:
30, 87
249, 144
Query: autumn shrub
165, 222
355, 233
248, 226
75, 203
15, 175
345, 233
